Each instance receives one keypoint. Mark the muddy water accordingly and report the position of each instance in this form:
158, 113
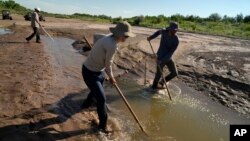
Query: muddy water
191, 116
4, 31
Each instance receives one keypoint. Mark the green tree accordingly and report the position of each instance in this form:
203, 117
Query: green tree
193, 18
137, 20
105, 17
247, 19
10, 4
227, 19
116, 20
239, 18
160, 18
177, 18
215, 17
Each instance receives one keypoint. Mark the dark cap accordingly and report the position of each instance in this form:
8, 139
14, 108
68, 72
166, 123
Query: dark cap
173, 26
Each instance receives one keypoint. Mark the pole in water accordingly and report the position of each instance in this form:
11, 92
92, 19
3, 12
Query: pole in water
130, 109
145, 73
47, 34
165, 83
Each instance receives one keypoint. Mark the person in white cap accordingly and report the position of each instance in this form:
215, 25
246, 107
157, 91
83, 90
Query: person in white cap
35, 24
100, 59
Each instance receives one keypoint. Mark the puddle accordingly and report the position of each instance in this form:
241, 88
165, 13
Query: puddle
191, 116
4, 31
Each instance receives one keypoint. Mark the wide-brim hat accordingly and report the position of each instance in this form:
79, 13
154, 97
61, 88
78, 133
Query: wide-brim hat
173, 26
122, 29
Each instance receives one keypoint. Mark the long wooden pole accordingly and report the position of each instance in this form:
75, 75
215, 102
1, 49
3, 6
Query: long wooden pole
47, 33
129, 107
165, 83
145, 73
87, 42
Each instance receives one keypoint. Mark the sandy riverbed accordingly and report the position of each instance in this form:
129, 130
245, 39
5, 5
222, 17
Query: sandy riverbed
31, 85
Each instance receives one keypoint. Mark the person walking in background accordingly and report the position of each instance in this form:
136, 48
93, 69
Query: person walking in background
168, 45
100, 59
35, 24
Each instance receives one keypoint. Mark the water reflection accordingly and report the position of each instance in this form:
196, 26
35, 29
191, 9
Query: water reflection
4, 31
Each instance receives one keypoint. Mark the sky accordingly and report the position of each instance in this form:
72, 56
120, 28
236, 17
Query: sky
130, 8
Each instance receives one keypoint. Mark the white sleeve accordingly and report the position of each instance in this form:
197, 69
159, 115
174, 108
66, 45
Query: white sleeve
110, 53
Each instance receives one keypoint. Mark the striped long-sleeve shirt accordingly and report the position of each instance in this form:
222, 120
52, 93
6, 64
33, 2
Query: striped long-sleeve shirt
102, 55
168, 44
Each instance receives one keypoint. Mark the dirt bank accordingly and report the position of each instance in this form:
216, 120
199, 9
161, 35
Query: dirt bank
34, 103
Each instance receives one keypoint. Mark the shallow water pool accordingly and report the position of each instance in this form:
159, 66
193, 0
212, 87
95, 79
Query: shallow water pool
4, 31
191, 116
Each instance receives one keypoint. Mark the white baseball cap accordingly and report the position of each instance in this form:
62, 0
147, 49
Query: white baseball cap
38, 9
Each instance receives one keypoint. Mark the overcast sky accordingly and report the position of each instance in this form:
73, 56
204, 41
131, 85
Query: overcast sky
129, 8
